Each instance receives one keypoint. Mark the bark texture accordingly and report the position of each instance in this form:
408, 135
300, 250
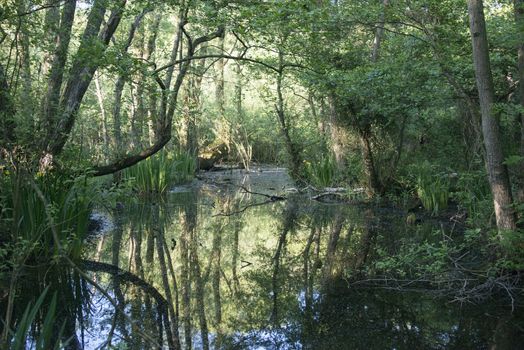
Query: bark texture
497, 172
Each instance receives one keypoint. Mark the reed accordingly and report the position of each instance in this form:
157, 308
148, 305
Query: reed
433, 191
24, 217
24, 335
322, 172
155, 174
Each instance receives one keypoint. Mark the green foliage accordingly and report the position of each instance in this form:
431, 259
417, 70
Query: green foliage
512, 244
433, 189
184, 167
25, 217
322, 172
22, 336
473, 194
155, 174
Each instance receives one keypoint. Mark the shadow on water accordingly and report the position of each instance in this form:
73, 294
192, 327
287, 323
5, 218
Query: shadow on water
210, 267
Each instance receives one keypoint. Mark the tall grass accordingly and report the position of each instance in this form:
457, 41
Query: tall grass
47, 337
24, 214
155, 174
433, 189
322, 172
184, 167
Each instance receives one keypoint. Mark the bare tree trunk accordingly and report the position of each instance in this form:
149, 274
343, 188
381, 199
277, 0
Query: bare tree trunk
497, 172
27, 110
291, 147
153, 99
374, 185
100, 98
337, 135
7, 113
219, 81
119, 87
192, 106
173, 338
81, 73
373, 182
57, 64
51, 23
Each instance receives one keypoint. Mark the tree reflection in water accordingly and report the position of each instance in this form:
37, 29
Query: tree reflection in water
269, 277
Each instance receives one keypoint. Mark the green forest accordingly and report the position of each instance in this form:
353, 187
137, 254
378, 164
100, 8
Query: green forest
261, 174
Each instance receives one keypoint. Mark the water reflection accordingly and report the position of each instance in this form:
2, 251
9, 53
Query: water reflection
208, 268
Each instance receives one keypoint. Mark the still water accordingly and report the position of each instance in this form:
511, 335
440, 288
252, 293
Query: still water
217, 265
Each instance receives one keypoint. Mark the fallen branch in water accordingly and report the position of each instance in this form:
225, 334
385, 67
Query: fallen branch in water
243, 209
272, 198
467, 289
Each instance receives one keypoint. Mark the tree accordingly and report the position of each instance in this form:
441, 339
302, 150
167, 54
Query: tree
497, 171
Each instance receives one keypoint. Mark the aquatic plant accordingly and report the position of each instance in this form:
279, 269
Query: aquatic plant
322, 172
158, 172
433, 193
433, 189
22, 336
184, 167
24, 216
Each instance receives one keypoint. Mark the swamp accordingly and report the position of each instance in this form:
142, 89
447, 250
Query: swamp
261, 174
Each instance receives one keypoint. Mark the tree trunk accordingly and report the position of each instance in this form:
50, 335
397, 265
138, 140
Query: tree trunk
27, 111
291, 148
519, 19
338, 136
374, 186
100, 98
57, 64
497, 172
7, 113
82, 71
119, 87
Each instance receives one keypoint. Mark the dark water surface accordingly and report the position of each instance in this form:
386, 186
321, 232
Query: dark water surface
214, 267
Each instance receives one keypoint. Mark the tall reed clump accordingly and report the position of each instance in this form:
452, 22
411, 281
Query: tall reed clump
47, 338
155, 174
35, 212
432, 188
25, 215
322, 172
184, 167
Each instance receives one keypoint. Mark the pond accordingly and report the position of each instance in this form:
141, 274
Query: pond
219, 265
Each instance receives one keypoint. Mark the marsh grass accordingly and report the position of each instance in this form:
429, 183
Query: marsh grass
22, 337
155, 174
322, 172
24, 217
433, 189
